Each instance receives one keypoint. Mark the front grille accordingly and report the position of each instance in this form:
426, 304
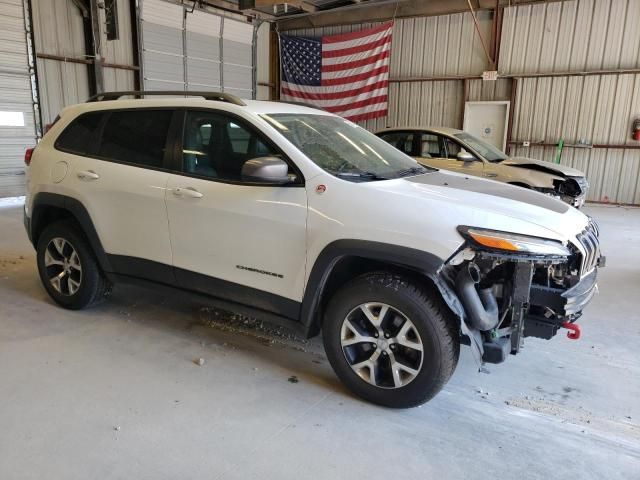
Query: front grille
588, 239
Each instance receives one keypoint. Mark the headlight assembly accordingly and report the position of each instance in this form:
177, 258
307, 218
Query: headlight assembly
513, 242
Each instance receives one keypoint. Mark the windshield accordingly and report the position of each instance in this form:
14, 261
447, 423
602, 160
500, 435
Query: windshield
488, 151
342, 148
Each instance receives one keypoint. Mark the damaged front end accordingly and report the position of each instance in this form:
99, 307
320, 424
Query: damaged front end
555, 180
506, 287
571, 190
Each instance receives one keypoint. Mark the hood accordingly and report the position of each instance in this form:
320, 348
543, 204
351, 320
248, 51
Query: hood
542, 166
424, 211
485, 203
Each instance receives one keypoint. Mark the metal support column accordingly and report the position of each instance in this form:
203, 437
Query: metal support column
98, 72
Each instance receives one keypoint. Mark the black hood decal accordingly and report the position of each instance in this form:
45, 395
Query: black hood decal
477, 185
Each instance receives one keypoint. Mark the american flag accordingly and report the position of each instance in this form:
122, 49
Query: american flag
345, 74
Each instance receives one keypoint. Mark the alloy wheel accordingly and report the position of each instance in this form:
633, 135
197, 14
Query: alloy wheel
381, 345
63, 267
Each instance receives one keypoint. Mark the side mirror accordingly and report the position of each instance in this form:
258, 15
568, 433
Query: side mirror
266, 170
465, 156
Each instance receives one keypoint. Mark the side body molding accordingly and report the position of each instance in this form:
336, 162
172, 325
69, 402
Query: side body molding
418, 260
79, 213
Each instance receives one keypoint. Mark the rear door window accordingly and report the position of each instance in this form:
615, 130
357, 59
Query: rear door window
80, 134
430, 146
138, 137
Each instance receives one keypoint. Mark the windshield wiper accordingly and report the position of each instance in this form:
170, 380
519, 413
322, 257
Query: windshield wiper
359, 175
415, 171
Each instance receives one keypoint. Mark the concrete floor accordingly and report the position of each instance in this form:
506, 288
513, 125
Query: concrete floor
113, 393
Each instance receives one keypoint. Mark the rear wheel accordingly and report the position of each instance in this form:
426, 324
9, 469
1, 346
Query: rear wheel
392, 342
68, 268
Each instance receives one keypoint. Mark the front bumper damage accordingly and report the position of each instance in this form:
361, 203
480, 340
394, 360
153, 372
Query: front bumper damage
569, 303
575, 199
572, 190
503, 297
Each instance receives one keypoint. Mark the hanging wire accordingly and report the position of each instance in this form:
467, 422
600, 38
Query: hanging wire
484, 46
395, 11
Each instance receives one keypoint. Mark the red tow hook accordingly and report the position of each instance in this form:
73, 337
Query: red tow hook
575, 332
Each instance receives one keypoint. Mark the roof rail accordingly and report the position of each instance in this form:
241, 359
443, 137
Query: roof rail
217, 96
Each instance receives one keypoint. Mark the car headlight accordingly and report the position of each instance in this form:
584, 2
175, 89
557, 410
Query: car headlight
513, 242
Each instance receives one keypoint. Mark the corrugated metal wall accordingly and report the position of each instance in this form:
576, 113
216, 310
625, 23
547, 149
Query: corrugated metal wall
119, 51
571, 36
58, 30
445, 45
480, 91
576, 36
553, 37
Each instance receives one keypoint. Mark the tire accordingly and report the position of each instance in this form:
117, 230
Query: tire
80, 282
349, 336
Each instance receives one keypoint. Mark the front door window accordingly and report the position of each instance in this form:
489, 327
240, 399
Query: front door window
215, 145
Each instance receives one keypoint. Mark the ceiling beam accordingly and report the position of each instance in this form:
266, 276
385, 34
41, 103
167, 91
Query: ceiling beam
387, 10
271, 5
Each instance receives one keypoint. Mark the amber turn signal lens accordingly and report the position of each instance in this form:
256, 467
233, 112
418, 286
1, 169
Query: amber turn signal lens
493, 242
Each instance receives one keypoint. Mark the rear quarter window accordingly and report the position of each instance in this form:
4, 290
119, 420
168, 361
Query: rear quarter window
138, 137
80, 134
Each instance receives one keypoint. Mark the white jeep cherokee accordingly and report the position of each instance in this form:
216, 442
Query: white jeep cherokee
305, 219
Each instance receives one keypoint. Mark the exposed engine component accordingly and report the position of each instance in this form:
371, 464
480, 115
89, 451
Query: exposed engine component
508, 297
481, 304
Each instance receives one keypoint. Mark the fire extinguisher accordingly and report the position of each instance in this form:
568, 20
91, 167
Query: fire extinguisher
636, 129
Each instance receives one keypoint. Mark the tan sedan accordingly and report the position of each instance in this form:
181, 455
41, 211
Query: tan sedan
458, 151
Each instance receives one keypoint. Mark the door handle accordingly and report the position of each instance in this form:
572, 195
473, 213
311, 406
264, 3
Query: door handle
187, 192
491, 175
88, 175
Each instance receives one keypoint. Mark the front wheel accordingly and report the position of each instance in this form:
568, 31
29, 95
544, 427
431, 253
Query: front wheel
391, 341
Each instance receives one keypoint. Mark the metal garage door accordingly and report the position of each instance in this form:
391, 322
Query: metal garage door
237, 61
17, 125
195, 50
203, 51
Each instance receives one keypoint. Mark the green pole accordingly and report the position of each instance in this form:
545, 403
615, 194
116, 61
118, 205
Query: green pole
559, 150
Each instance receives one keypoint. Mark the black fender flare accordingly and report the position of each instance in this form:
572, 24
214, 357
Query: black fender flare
419, 261
78, 211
